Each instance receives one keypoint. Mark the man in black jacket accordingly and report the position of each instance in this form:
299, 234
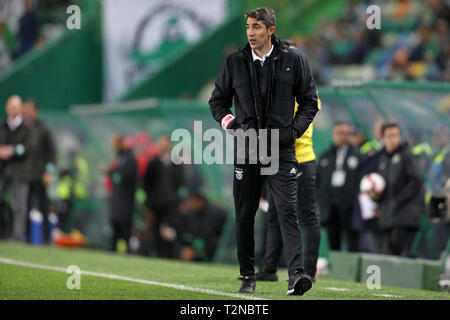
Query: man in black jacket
337, 186
263, 80
200, 225
123, 173
15, 148
402, 201
43, 163
161, 180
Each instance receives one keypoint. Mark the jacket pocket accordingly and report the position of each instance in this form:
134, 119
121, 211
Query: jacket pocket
279, 121
284, 127
243, 100
283, 86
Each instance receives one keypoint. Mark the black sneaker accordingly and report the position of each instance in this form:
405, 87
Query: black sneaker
248, 284
266, 276
298, 284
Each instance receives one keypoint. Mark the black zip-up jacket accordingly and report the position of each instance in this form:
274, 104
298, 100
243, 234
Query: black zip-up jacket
402, 201
291, 80
326, 165
20, 164
125, 179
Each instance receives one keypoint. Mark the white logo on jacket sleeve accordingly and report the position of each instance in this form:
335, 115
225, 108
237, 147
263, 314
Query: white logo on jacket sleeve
293, 171
239, 173
352, 162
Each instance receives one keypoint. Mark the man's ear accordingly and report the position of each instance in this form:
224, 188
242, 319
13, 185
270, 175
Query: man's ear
271, 30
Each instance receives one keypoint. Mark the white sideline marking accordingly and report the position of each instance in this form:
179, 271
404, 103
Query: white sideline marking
375, 294
116, 277
386, 295
336, 289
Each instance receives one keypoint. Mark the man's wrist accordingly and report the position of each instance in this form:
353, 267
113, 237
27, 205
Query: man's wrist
295, 133
226, 120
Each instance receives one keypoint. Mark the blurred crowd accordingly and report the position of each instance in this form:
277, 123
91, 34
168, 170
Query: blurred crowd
403, 190
178, 221
412, 44
27, 24
156, 208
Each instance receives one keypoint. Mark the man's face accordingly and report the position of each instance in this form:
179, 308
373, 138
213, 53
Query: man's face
14, 107
377, 129
257, 33
164, 143
341, 134
392, 139
440, 140
29, 111
116, 143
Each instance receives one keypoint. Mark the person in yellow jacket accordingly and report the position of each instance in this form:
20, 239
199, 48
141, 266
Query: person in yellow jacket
306, 211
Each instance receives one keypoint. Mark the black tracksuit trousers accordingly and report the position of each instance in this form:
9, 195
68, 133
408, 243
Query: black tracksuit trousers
308, 221
247, 187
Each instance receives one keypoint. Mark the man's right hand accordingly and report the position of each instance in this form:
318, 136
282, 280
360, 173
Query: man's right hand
229, 122
46, 178
287, 136
6, 152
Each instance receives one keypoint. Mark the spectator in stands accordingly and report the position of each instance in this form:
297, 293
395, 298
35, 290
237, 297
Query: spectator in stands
337, 180
15, 148
443, 51
6, 44
28, 28
123, 173
42, 158
402, 201
200, 225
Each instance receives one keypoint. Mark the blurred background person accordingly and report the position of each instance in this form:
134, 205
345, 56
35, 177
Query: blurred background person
7, 44
439, 170
28, 28
15, 147
402, 201
337, 186
123, 174
43, 159
200, 224
161, 181
368, 224
438, 176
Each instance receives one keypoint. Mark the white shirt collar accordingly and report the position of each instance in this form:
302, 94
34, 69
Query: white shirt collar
14, 123
255, 56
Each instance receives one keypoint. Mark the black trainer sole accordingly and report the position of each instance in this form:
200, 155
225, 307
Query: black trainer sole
300, 287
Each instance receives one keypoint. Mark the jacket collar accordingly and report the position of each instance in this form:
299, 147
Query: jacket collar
400, 148
247, 51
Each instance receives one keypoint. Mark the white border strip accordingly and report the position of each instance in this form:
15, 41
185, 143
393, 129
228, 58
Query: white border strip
116, 277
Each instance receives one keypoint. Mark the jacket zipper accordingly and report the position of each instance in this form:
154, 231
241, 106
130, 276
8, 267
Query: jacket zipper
269, 106
253, 86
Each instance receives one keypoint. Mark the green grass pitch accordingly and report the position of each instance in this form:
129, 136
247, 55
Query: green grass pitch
157, 279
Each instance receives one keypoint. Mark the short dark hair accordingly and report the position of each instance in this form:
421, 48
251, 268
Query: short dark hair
389, 125
264, 14
33, 102
341, 122
288, 43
